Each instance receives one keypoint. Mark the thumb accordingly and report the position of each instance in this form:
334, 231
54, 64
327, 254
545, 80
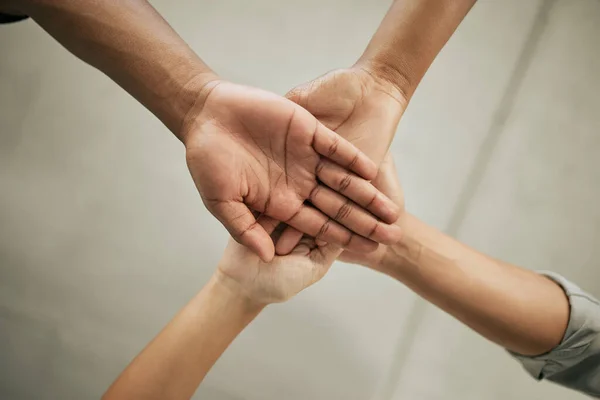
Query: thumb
243, 227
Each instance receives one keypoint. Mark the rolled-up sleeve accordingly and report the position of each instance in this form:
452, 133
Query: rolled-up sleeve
575, 362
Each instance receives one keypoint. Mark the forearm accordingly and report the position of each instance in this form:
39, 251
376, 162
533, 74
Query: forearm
411, 35
176, 361
513, 307
132, 44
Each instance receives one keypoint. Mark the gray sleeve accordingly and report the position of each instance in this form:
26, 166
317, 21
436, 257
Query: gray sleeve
575, 362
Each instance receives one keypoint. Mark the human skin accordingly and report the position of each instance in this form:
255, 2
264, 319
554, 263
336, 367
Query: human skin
175, 362
365, 102
513, 307
247, 149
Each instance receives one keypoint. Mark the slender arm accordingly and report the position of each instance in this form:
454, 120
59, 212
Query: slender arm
518, 309
132, 44
177, 360
411, 35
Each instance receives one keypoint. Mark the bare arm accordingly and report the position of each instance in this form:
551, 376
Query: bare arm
278, 146
177, 360
132, 44
364, 103
516, 308
174, 364
411, 35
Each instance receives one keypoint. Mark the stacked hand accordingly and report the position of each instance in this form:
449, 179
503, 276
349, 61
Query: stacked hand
359, 106
249, 150
285, 276
365, 111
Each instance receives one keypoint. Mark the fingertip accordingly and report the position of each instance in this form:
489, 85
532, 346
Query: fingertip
267, 256
266, 251
393, 234
259, 241
390, 212
288, 241
369, 169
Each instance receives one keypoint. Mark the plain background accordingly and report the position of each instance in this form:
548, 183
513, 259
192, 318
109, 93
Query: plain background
103, 236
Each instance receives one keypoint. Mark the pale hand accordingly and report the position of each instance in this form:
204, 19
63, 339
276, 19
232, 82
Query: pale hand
251, 150
282, 278
360, 107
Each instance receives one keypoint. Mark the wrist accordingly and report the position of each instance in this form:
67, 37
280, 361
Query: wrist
403, 256
189, 100
396, 81
236, 293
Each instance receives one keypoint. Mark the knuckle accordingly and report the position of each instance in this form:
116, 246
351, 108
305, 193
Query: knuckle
345, 183
294, 215
344, 211
333, 147
314, 192
320, 166
347, 241
323, 230
374, 230
372, 201
354, 161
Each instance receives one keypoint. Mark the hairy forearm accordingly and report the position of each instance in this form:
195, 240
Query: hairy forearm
513, 307
176, 361
411, 35
132, 44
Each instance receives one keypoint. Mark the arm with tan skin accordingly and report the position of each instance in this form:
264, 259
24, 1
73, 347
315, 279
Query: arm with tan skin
364, 103
518, 309
409, 38
247, 149
175, 362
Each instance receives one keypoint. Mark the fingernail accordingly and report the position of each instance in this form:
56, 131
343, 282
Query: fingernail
391, 211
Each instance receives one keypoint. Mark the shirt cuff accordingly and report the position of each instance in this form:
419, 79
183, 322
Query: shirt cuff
580, 339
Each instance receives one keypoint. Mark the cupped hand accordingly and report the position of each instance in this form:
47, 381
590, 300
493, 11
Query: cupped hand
360, 107
280, 279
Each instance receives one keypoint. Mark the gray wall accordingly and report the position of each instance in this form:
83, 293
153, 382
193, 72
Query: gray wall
103, 236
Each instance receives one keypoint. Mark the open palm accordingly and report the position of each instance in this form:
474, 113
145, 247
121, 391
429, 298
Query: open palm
251, 150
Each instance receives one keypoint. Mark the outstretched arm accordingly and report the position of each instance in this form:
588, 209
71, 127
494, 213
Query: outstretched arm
364, 103
549, 324
244, 146
409, 38
177, 360
132, 44
174, 364
516, 308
